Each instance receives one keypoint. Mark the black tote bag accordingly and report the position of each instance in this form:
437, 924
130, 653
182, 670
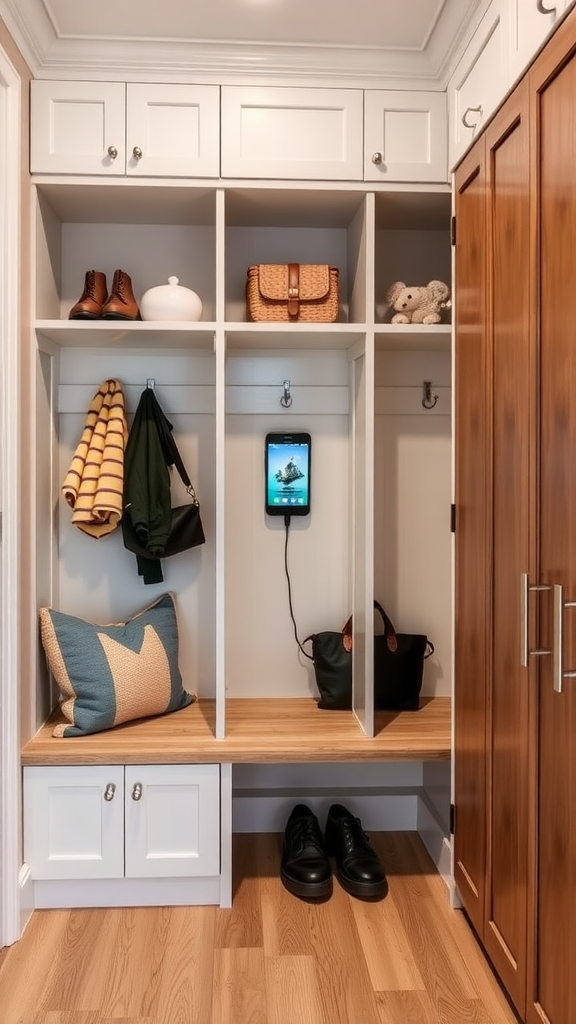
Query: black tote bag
398, 667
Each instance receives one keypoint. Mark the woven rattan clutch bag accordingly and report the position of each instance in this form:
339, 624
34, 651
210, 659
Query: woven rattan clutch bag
292, 292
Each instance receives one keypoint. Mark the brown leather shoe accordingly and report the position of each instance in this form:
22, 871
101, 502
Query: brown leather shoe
121, 304
91, 302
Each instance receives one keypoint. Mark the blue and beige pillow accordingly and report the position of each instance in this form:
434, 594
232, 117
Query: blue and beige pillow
115, 673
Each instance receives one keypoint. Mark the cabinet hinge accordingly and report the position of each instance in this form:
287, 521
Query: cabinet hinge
452, 818
453, 231
452, 518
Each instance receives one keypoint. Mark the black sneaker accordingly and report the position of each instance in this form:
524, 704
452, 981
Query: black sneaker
305, 869
358, 866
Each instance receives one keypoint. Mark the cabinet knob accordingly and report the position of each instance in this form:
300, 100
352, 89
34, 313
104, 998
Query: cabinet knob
112, 152
471, 110
376, 158
137, 791
109, 792
137, 153
544, 10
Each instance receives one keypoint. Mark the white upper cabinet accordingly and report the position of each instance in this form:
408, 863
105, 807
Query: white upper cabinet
115, 129
480, 80
405, 136
77, 127
530, 23
292, 133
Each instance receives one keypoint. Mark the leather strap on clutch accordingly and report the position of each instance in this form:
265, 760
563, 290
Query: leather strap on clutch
293, 288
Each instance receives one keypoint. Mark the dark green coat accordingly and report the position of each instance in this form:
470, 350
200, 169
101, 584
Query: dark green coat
147, 498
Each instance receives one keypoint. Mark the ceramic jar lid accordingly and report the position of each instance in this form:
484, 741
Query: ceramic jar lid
170, 302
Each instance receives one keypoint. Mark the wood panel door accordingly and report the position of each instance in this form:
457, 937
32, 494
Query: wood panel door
508, 746
472, 552
552, 995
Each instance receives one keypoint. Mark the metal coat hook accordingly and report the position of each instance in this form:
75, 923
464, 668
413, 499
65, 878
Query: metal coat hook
286, 400
150, 383
428, 399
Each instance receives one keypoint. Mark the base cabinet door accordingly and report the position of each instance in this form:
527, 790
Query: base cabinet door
74, 821
172, 820
111, 821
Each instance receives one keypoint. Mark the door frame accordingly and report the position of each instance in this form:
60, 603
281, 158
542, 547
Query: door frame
10, 190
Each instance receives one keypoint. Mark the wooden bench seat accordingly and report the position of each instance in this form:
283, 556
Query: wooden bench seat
257, 730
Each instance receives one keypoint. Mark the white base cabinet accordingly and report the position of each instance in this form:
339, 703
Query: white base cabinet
111, 821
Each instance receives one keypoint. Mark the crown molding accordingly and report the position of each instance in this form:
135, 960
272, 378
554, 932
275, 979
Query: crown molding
51, 54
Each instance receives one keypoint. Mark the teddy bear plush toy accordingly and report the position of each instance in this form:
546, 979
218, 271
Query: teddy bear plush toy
418, 305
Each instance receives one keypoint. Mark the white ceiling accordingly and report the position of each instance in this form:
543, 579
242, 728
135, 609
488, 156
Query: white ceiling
367, 40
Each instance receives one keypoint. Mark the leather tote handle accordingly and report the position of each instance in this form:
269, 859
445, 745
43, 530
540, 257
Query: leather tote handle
389, 631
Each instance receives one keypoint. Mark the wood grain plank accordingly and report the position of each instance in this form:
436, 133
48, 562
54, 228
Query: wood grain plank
184, 996
31, 968
406, 1008
389, 956
241, 924
292, 993
258, 730
132, 985
72, 1017
239, 987
344, 982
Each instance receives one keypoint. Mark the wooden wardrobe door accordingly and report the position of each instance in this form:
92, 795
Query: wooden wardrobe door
508, 171
472, 561
553, 968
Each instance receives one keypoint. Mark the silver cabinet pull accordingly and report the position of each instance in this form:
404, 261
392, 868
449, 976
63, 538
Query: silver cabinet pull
471, 110
109, 792
376, 158
544, 10
137, 153
112, 152
524, 649
137, 791
558, 661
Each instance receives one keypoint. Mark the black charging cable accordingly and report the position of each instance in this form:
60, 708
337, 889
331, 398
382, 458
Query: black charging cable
287, 520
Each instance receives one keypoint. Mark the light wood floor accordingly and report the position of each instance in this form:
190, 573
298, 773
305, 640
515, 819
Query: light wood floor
271, 959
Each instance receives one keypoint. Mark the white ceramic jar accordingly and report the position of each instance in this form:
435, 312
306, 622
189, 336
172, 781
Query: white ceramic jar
170, 302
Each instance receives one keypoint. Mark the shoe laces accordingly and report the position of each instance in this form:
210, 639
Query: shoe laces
353, 833
306, 832
91, 284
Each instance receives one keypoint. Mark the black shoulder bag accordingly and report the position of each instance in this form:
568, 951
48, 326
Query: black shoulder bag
398, 667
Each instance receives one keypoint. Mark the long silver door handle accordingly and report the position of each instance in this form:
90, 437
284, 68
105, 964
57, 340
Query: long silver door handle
558, 660
525, 587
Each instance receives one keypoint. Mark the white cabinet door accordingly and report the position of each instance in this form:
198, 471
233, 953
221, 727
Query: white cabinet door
77, 127
292, 133
74, 821
530, 23
172, 820
405, 136
480, 80
173, 130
